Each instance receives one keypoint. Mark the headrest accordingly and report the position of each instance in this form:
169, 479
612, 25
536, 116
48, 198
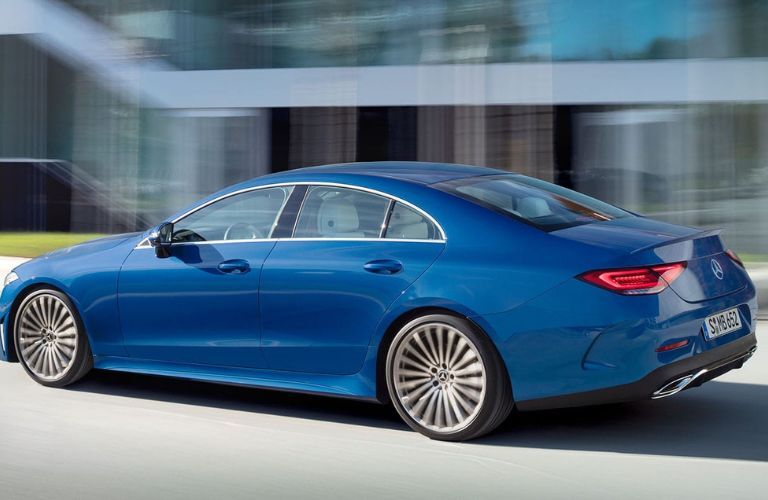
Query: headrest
404, 215
532, 207
337, 215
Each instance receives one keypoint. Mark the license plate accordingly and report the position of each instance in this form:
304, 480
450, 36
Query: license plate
721, 323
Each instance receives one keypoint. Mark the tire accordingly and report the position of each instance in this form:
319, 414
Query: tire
441, 361
51, 342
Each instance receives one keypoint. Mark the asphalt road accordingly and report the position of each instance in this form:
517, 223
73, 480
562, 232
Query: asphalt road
131, 436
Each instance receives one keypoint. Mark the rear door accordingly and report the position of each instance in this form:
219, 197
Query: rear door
324, 291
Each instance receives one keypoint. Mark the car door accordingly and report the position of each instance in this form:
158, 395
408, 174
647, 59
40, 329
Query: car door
324, 291
201, 304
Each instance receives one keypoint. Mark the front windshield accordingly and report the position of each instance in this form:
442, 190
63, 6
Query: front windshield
533, 201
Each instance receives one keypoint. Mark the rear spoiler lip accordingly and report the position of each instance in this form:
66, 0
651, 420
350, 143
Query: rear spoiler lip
695, 236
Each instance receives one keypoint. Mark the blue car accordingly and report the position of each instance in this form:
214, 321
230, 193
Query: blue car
456, 293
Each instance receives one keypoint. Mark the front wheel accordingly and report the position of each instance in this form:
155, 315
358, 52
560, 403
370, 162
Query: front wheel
446, 379
50, 339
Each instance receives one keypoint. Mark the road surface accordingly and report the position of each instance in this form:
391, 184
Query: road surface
132, 436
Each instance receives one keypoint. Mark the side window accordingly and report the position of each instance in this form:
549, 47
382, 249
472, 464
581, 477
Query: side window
406, 223
333, 212
246, 216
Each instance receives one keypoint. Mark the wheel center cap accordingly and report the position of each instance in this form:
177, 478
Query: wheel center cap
442, 375
48, 335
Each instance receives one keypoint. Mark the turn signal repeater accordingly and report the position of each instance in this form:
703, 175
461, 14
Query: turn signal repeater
635, 280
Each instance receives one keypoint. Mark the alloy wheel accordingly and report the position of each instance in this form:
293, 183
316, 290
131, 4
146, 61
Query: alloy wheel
439, 377
48, 336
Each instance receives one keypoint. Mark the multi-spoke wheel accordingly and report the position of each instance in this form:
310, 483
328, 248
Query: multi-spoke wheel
50, 339
446, 379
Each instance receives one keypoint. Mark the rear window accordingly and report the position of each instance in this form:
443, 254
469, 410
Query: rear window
535, 202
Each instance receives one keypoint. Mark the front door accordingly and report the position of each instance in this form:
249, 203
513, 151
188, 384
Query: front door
201, 304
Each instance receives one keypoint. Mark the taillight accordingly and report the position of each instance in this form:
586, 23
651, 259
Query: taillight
635, 280
734, 257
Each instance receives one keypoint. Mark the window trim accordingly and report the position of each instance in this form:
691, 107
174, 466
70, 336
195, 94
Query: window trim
290, 219
221, 198
387, 217
442, 238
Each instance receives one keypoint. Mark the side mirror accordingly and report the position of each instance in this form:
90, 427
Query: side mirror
161, 239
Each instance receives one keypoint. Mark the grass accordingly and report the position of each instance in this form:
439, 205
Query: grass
34, 244
751, 258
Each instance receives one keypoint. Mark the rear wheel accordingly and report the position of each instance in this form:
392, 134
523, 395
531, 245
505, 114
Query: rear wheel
50, 339
446, 379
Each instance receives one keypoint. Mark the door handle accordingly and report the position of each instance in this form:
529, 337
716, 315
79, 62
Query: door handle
383, 266
235, 266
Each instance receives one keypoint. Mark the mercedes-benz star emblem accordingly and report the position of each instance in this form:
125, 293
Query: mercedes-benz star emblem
717, 269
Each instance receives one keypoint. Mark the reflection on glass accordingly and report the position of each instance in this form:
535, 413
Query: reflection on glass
533, 201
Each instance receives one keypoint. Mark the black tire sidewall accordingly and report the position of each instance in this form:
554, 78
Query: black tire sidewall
83, 358
497, 379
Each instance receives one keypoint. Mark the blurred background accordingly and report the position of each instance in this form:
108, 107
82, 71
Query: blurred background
115, 113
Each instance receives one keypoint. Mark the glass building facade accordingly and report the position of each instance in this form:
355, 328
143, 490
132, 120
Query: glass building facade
659, 106
234, 34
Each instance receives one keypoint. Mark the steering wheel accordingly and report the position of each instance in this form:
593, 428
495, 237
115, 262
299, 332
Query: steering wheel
242, 231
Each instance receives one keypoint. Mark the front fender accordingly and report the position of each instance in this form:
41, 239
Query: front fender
88, 275
97, 313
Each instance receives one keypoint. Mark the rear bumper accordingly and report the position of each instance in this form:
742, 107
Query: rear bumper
708, 365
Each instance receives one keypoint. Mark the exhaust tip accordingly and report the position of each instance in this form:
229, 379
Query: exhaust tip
677, 385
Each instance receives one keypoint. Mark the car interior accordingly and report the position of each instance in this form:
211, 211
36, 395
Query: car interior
406, 223
243, 217
330, 212
327, 212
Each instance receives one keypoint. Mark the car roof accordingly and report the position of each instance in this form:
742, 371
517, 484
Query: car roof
411, 171
375, 175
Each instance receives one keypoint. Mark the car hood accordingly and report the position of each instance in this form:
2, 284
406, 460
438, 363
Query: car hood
92, 246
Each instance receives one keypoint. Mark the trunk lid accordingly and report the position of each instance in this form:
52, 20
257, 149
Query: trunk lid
709, 272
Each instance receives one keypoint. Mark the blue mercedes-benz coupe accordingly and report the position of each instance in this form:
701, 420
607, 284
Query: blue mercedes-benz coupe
454, 292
